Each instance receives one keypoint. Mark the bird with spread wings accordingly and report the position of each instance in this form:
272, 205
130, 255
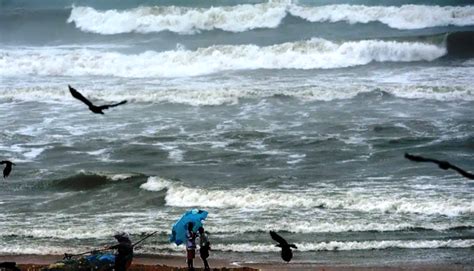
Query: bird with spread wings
286, 253
8, 167
441, 164
92, 107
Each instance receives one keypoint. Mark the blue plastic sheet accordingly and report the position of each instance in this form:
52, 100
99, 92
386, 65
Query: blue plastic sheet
101, 259
178, 232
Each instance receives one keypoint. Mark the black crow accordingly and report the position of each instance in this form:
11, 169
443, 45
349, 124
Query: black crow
8, 167
93, 108
286, 253
441, 164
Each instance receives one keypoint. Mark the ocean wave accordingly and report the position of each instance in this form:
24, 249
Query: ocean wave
309, 54
42, 249
79, 227
350, 245
39, 249
69, 232
217, 94
325, 246
88, 180
179, 195
239, 18
28, 152
403, 17
183, 20
320, 226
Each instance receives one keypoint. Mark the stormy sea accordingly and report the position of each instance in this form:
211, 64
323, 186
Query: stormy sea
292, 116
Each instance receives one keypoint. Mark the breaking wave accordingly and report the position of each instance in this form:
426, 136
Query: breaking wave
239, 18
310, 54
211, 95
320, 226
351, 245
42, 249
181, 20
404, 17
181, 196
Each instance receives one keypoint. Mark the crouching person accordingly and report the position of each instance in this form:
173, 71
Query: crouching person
124, 256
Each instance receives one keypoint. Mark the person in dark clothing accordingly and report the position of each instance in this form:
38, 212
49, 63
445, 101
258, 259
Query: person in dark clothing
124, 256
190, 246
9, 266
204, 247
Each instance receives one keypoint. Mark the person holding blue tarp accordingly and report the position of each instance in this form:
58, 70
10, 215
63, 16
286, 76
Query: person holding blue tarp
184, 231
190, 246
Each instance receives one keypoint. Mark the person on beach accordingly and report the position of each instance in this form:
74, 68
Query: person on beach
190, 246
204, 247
124, 256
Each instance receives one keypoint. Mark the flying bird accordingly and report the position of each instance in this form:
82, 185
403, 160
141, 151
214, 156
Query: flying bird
92, 107
441, 164
286, 253
8, 167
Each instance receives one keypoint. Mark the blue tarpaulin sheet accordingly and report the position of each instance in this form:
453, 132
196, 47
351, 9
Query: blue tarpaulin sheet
178, 232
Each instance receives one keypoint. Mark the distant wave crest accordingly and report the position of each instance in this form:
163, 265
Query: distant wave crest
239, 18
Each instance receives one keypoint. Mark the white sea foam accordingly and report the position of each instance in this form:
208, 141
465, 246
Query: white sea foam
33, 153
39, 249
174, 153
350, 245
219, 223
42, 249
403, 17
320, 226
156, 184
329, 246
29, 153
355, 200
315, 53
210, 94
69, 231
120, 177
178, 19
238, 18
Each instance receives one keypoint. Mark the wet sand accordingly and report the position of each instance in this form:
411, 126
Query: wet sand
168, 263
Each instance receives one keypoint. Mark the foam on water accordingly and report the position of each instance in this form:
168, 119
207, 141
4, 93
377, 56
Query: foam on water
39, 249
321, 226
315, 53
238, 18
350, 245
355, 200
42, 249
215, 94
181, 20
403, 17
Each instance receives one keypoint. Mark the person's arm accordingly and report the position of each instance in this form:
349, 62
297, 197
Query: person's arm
113, 247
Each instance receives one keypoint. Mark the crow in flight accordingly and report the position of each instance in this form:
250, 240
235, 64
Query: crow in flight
441, 164
92, 107
286, 253
8, 167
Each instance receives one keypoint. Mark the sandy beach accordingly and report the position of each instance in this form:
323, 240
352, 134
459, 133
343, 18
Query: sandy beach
166, 263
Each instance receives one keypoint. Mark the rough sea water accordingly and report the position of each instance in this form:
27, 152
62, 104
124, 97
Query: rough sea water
285, 116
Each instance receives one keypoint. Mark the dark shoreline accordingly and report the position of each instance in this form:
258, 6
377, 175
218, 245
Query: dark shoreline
165, 263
